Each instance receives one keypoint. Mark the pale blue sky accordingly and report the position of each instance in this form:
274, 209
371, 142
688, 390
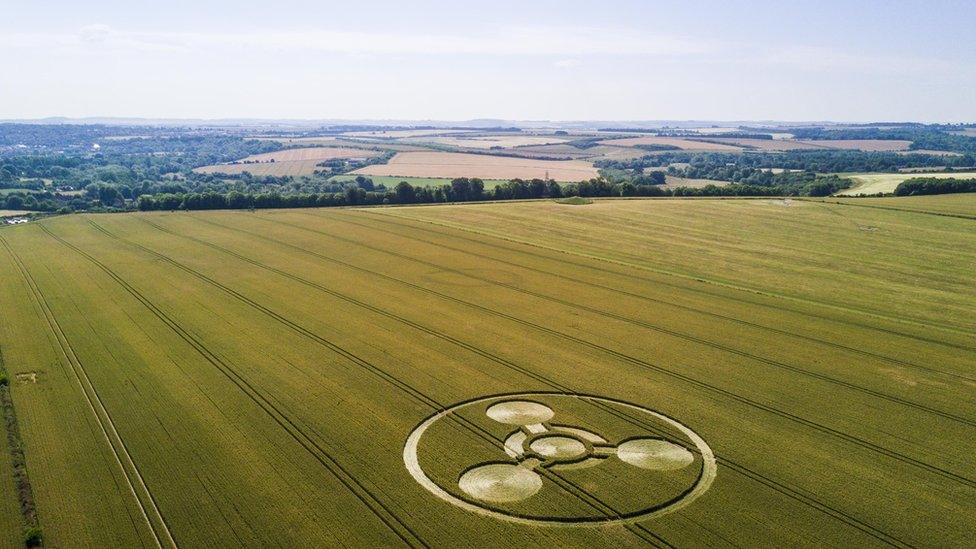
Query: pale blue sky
565, 60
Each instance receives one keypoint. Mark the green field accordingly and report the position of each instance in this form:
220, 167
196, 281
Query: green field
873, 183
280, 377
390, 181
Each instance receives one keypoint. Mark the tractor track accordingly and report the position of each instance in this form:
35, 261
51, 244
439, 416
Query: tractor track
154, 519
382, 219
796, 495
331, 464
686, 277
403, 386
633, 322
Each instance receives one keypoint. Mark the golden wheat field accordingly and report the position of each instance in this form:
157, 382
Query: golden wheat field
591, 373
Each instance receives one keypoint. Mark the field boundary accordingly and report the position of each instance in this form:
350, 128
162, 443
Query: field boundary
21, 478
122, 459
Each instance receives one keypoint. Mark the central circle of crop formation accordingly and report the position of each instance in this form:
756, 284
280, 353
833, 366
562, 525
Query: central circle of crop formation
558, 459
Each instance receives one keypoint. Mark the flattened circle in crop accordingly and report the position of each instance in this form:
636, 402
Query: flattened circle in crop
557, 446
500, 482
510, 457
520, 412
657, 454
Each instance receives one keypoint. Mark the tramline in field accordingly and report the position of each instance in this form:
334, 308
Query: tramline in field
516, 371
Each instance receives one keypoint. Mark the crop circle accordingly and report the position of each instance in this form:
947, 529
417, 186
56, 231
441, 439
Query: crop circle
544, 455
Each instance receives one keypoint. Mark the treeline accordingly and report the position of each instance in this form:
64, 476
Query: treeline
459, 190
922, 137
815, 161
934, 185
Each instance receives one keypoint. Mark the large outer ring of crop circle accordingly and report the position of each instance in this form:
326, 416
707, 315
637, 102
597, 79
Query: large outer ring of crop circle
705, 479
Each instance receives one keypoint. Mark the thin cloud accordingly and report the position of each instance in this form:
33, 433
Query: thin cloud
828, 59
566, 63
564, 41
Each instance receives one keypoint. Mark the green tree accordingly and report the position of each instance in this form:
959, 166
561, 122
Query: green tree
404, 192
15, 202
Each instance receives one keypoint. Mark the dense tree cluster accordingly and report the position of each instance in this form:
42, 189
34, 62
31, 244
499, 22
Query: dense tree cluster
934, 185
459, 190
815, 161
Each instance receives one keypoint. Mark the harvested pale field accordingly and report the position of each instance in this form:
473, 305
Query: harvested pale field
562, 148
872, 183
561, 151
309, 153
868, 145
684, 144
503, 141
616, 153
706, 131
726, 372
292, 162
675, 182
13, 213
820, 144
397, 134
444, 164
769, 144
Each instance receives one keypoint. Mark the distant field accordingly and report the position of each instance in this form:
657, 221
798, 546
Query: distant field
862, 144
350, 143
292, 162
685, 144
747, 373
871, 183
13, 213
674, 182
444, 164
504, 141
405, 133
298, 140
768, 144
616, 153
794, 145
390, 180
